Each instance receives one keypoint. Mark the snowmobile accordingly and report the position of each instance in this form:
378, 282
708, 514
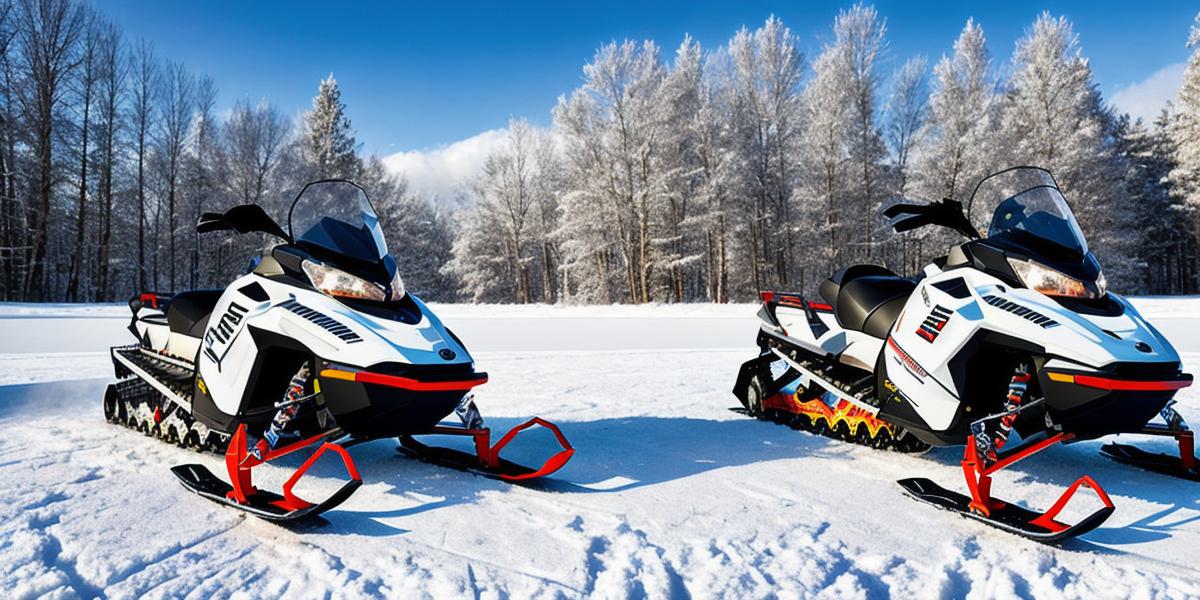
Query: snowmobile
318, 346
1009, 344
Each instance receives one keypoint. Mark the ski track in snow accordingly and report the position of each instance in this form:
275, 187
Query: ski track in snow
670, 495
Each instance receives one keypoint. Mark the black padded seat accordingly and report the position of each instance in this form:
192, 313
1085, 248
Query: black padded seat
867, 298
188, 311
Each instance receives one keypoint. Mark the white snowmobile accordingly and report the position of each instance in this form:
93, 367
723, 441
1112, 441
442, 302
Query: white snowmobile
1009, 336
319, 342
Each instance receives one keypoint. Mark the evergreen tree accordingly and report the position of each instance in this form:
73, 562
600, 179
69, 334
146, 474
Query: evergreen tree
959, 138
419, 238
1054, 118
1163, 238
328, 142
1184, 132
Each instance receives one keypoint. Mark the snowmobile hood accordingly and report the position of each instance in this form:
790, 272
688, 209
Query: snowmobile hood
360, 339
1093, 340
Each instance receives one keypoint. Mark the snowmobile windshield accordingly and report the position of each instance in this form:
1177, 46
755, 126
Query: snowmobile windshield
1024, 207
337, 216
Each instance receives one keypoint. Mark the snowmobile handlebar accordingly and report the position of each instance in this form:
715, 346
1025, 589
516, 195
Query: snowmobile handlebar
243, 218
945, 213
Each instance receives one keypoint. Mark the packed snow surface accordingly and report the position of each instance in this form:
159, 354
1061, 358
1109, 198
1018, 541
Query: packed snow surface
670, 494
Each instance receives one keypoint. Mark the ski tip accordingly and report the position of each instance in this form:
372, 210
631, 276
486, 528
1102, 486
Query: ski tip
918, 486
1115, 451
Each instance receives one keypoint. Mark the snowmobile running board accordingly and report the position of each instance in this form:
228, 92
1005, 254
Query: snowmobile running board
1042, 527
244, 496
486, 461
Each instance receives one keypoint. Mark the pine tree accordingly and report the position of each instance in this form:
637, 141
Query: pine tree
1161, 228
960, 134
960, 141
1054, 118
1184, 132
419, 237
328, 143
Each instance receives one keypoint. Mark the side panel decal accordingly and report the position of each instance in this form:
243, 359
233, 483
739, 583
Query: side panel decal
1021, 311
933, 324
216, 339
327, 323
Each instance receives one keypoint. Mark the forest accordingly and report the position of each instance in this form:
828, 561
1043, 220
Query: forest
685, 175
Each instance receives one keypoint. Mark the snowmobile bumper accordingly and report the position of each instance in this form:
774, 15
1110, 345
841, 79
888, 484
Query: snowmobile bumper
430, 398
373, 404
1092, 404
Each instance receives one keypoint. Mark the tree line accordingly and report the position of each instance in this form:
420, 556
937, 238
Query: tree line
709, 175
109, 154
695, 175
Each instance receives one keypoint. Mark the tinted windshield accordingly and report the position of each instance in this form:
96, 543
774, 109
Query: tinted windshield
337, 216
1024, 205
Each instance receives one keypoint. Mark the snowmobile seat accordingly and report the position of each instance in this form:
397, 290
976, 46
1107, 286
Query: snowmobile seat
188, 312
830, 287
867, 298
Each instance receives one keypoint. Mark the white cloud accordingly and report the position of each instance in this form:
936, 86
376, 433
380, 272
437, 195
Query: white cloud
445, 172
1148, 97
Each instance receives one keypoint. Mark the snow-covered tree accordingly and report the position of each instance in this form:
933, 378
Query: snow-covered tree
328, 140
176, 103
255, 136
200, 175
1184, 132
829, 115
1163, 237
766, 123
678, 248
959, 140
861, 34
717, 174
1054, 118
510, 202
907, 111
614, 133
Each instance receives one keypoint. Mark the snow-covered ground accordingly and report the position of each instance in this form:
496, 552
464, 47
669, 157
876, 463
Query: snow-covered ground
670, 494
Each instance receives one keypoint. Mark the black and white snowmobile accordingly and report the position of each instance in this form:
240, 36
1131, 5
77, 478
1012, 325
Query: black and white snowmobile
1010, 343
318, 346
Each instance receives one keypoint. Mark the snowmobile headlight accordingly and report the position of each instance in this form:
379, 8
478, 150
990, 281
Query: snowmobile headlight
397, 288
1043, 279
340, 284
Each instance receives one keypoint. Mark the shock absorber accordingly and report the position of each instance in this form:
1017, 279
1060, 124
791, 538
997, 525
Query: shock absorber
286, 410
991, 434
1017, 386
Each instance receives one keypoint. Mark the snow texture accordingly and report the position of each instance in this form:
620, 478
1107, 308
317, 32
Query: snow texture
671, 495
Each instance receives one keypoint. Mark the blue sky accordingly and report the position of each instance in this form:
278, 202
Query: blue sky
418, 76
